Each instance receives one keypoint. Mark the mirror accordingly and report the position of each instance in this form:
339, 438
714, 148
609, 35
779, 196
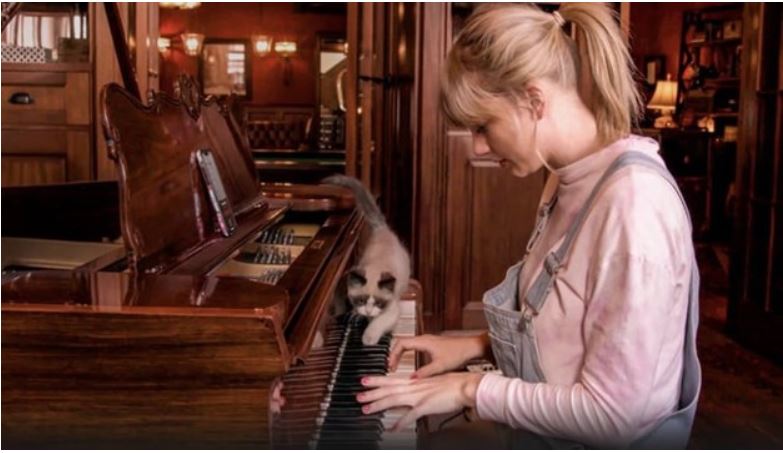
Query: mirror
224, 67
332, 64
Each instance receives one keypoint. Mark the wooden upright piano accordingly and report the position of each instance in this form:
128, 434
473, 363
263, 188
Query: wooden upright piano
150, 329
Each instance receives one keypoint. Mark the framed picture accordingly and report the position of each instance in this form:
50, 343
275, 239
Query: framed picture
224, 67
654, 68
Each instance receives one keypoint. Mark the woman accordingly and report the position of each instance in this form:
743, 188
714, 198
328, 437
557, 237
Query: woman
594, 329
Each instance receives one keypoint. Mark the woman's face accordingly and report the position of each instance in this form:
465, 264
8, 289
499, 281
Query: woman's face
510, 139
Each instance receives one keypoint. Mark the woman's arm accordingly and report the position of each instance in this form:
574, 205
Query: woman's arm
445, 353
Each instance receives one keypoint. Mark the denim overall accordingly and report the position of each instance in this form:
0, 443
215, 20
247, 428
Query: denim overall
513, 335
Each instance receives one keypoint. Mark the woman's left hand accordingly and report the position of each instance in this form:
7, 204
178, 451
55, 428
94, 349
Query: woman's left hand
435, 395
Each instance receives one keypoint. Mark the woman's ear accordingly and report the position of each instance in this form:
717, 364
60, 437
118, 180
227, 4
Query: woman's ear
535, 98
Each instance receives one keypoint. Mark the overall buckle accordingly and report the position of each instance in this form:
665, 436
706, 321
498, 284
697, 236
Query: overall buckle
552, 264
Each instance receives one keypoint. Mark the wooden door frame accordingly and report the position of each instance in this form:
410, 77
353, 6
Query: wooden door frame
429, 240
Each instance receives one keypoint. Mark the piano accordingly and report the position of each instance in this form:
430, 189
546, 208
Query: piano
153, 330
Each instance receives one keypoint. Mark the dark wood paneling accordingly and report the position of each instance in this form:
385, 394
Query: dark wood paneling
490, 216
755, 308
502, 216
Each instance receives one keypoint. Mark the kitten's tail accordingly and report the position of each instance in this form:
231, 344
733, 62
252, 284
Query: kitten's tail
364, 198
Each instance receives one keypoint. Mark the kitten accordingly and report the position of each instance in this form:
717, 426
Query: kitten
374, 286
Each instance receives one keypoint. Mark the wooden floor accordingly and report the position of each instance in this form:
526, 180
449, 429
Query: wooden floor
741, 404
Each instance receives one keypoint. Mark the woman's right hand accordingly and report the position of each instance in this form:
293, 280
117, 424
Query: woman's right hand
445, 353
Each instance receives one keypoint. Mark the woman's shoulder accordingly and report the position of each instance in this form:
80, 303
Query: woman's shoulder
639, 212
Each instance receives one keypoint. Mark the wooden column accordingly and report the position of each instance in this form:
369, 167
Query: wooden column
756, 297
429, 241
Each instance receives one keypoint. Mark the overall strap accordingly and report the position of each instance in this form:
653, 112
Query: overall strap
540, 288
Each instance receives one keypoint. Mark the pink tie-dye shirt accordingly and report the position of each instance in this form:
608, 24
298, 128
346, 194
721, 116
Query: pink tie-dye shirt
610, 335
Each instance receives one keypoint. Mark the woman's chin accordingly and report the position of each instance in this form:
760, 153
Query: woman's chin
517, 169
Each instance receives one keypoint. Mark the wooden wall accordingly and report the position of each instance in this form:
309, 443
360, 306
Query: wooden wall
241, 21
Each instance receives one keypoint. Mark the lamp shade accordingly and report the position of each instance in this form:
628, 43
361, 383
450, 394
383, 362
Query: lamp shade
665, 96
192, 43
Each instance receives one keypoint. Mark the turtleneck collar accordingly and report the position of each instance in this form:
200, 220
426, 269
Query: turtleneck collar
599, 160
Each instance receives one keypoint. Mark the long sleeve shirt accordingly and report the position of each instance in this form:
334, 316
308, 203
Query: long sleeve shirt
610, 335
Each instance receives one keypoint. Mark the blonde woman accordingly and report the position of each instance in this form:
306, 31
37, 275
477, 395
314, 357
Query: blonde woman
594, 329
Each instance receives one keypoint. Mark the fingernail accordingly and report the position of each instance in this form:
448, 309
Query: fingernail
360, 397
364, 381
366, 409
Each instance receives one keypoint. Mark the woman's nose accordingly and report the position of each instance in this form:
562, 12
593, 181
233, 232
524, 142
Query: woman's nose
480, 146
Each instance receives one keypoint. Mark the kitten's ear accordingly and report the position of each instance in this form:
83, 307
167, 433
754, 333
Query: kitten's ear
387, 282
355, 277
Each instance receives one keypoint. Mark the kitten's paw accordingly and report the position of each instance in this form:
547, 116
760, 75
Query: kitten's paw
371, 338
318, 341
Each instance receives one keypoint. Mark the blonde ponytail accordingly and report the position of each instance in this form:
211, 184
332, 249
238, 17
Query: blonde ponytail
607, 79
504, 47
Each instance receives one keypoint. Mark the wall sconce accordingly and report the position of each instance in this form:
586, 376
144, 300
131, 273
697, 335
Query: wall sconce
262, 45
164, 44
285, 48
180, 5
192, 43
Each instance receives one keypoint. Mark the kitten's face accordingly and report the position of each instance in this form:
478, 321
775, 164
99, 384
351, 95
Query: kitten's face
370, 294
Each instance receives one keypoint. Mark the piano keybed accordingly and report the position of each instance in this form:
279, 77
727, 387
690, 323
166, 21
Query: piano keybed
321, 410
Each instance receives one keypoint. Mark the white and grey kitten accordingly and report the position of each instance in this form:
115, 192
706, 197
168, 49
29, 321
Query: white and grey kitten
374, 286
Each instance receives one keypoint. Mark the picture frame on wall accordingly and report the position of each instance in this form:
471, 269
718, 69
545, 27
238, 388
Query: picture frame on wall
225, 67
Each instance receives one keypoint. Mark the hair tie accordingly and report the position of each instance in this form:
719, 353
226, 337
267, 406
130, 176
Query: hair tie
558, 18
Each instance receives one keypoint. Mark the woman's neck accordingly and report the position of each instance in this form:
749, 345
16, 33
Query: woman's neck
574, 133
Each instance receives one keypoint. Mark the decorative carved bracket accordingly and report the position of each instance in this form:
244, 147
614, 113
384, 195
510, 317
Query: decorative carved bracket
187, 91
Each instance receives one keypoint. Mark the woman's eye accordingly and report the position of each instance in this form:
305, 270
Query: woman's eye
481, 130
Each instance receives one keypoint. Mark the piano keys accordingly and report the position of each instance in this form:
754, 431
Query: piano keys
321, 410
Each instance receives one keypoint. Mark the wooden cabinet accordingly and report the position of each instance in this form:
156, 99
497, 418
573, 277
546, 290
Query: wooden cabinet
45, 155
51, 131
47, 104
47, 115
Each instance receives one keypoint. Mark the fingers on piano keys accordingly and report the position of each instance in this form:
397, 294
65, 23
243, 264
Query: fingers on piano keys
404, 438
321, 410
